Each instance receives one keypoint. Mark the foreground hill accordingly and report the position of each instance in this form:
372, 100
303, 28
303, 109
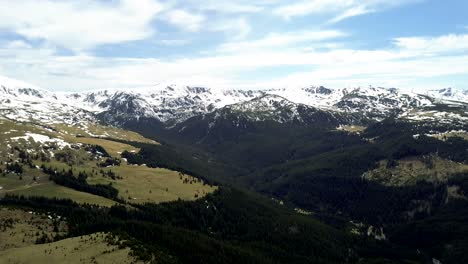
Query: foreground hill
31, 153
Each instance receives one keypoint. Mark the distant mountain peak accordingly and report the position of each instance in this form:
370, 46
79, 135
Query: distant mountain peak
265, 102
173, 102
15, 88
11, 83
449, 93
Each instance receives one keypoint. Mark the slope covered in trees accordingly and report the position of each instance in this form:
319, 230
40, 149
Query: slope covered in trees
228, 226
321, 171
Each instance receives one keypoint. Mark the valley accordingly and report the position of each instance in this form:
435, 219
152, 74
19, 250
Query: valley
173, 173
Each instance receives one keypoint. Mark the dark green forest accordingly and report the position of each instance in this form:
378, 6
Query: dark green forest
319, 170
264, 171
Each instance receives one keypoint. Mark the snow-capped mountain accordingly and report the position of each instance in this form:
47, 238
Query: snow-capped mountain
165, 102
450, 94
21, 101
274, 108
176, 103
371, 102
269, 107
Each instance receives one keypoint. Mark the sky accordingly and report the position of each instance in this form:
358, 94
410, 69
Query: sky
68, 45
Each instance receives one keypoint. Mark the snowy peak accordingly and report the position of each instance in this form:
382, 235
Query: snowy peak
317, 96
175, 103
167, 103
22, 92
15, 84
266, 107
318, 90
13, 88
450, 94
379, 102
264, 103
370, 102
24, 102
130, 104
270, 107
275, 108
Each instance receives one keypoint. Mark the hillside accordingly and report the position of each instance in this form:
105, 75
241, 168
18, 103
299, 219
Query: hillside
30, 148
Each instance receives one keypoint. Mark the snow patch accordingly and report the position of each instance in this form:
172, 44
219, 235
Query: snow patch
42, 139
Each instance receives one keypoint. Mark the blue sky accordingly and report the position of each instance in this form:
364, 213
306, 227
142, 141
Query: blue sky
96, 44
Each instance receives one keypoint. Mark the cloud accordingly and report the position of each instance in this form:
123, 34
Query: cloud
338, 9
351, 12
18, 44
281, 40
174, 42
302, 8
337, 67
237, 28
185, 20
302, 56
80, 25
83, 25
230, 7
407, 74
429, 45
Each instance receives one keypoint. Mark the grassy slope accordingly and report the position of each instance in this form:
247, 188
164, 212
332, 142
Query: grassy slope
18, 242
12, 184
93, 134
411, 170
444, 136
112, 147
143, 184
51, 190
26, 228
93, 130
140, 184
137, 183
85, 249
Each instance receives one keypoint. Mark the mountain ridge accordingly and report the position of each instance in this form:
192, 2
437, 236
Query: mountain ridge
173, 103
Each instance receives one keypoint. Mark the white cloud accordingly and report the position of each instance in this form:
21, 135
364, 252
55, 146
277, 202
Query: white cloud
18, 44
46, 26
302, 8
235, 28
174, 42
228, 6
281, 40
429, 45
338, 9
232, 7
185, 20
401, 65
351, 12
197, 21
407, 74
80, 25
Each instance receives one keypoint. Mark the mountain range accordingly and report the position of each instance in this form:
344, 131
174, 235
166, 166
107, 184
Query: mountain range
172, 104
